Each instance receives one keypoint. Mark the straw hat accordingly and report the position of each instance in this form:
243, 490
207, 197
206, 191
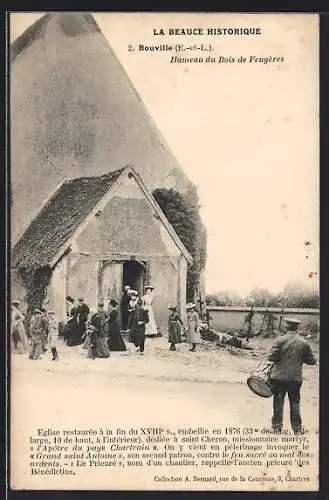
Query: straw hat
190, 305
172, 306
149, 287
133, 292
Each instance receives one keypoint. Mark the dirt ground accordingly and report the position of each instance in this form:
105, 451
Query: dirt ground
162, 387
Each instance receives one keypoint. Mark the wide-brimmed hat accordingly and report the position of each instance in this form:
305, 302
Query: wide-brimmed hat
51, 312
37, 311
172, 306
149, 287
126, 287
133, 292
190, 305
81, 299
15, 303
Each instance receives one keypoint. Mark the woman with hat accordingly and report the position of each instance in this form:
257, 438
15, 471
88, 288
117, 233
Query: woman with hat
115, 340
193, 326
100, 322
18, 334
151, 327
72, 329
175, 325
133, 301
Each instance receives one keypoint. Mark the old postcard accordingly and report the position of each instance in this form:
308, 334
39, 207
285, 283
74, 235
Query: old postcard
165, 251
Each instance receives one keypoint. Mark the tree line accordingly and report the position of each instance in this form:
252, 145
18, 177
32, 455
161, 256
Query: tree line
294, 294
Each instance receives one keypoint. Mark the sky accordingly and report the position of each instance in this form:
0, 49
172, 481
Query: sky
245, 134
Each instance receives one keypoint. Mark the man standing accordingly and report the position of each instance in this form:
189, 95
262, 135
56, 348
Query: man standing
82, 311
137, 321
289, 353
53, 334
36, 332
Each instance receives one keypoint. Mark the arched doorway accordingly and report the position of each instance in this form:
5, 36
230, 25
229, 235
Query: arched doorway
134, 275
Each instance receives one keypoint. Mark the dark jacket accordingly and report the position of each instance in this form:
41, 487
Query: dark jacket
136, 316
82, 311
100, 321
289, 353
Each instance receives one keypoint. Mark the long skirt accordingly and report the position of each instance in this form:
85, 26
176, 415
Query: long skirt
20, 339
193, 336
102, 350
175, 335
151, 329
73, 333
116, 343
125, 316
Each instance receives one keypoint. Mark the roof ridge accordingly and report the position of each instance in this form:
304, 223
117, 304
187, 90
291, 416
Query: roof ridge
23, 41
111, 173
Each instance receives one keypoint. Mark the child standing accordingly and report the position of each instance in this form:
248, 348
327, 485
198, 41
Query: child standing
53, 334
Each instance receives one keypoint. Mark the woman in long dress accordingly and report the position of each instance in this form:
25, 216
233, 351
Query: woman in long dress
72, 330
193, 326
18, 333
175, 325
151, 329
100, 322
87, 335
115, 340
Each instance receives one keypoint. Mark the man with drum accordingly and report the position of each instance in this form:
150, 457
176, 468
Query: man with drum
289, 353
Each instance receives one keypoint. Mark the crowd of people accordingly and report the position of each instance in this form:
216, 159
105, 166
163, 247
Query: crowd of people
100, 331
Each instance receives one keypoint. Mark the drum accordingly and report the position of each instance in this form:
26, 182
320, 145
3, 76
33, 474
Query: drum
259, 380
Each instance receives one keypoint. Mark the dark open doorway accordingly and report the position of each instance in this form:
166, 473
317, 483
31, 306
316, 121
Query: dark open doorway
134, 275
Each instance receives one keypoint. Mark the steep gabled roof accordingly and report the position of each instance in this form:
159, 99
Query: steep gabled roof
50, 233
74, 111
59, 218
72, 25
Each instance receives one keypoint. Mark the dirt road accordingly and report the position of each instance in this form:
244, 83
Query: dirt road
162, 387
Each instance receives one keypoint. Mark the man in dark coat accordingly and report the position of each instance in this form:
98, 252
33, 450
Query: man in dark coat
137, 321
289, 353
82, 311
